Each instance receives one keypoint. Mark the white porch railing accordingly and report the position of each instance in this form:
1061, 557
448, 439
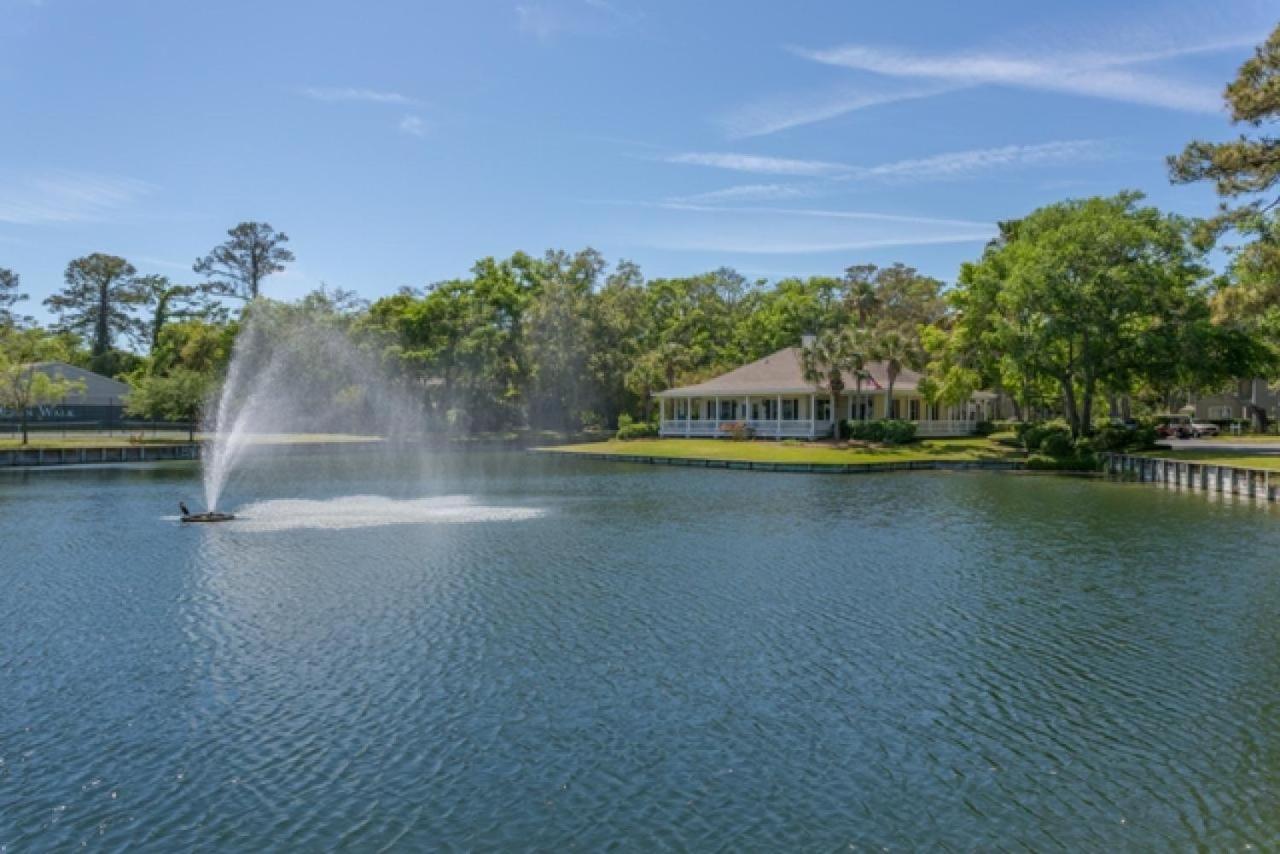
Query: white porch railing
769, 429
772, 429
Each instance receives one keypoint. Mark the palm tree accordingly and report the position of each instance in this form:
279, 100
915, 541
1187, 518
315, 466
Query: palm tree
645, 376
825, 361
861, 294
898, 350
656, 368
674, 358
859, 346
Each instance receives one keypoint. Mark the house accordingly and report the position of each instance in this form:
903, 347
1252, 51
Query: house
772, 398
100, 400
1236, 403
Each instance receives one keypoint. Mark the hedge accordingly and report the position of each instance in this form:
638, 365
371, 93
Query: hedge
886, 431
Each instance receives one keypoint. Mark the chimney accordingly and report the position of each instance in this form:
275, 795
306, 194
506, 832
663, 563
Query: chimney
806, 341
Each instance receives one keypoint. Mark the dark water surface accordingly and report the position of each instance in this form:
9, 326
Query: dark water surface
553, 654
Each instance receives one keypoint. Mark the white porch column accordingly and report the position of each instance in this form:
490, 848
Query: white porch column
715, 425
688, 416
777, 415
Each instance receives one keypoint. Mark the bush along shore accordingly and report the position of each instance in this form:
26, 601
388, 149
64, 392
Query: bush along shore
1038, 446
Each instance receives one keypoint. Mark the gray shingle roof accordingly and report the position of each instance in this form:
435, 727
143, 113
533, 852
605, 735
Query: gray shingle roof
783, 373
98, 390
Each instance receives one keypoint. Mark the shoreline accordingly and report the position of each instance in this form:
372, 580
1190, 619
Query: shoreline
98, 455
796, 467
94, 455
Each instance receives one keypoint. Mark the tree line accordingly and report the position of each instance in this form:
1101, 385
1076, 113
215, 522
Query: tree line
1086, 307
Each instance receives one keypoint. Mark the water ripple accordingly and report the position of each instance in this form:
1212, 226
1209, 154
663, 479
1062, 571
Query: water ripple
670, 660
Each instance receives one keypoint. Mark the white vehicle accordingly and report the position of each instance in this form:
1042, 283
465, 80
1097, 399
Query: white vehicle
1185, 427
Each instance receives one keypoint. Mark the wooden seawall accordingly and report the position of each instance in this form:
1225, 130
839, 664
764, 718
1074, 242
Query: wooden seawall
26, 457
1204, 477
817, 468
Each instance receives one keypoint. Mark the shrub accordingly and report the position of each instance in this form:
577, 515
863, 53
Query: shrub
1113, 437
864, 431
1041, 462
637, 430
984, 428
887, 431
739, 431
1057, 445
899, 432
1033, 436
1145, 438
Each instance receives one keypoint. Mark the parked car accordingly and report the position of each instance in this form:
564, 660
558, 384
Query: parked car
1183, 427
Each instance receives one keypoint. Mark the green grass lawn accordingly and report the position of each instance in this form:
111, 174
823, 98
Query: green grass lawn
1221, 458
950, 450
1246, 438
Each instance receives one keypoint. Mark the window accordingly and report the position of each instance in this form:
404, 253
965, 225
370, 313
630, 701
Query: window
728, 410
893, 409
913, 410
790, 409
823, 410
1220, 413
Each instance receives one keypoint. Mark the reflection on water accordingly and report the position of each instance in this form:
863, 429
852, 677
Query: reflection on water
637, 657
368, 511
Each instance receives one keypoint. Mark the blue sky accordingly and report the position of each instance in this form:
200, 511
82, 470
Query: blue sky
397, 142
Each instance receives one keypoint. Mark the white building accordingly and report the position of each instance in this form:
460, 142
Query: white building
772, 399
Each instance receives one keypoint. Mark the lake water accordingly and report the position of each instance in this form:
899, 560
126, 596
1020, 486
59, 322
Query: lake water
507, 652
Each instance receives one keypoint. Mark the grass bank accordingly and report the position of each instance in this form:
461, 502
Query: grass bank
1270, 462
938, 450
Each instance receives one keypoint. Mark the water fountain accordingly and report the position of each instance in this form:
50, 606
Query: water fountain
239, 406
295, 370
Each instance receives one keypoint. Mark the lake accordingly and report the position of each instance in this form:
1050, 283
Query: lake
500, 651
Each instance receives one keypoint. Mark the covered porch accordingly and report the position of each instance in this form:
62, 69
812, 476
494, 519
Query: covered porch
808, 416
773, 416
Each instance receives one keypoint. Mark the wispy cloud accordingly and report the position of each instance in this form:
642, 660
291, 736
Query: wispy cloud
65, 197
351, 93
780, 112
952, 164
760, 165
414, 126
1111, 76
546, 19
747, 193
865, 216
770, 230
956, 164
1116, 61
754, 245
